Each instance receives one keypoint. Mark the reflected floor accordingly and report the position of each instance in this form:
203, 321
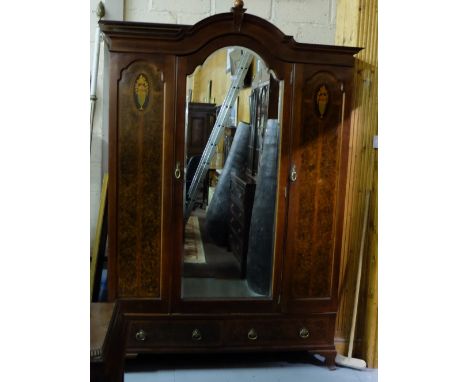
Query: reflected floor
210, 288
219, 262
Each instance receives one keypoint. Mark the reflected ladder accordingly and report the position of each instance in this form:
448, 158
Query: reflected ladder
215, 135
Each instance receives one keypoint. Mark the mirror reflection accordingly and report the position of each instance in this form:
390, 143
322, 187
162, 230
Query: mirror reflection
230, 169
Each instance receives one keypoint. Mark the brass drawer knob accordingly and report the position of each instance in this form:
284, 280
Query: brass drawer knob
140, 335
252, 334
196, 335
304, 333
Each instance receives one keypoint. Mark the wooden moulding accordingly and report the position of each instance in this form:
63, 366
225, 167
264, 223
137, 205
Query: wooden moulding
107, 347
183, 40
101, 318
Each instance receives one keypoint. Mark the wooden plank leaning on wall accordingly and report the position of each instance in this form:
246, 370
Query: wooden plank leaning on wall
356, 25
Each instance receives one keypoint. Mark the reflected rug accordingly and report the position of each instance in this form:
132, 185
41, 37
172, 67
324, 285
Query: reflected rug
193, 245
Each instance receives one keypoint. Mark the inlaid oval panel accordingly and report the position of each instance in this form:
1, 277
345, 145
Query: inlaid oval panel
319, 170
321, 100
141, 91
140, 147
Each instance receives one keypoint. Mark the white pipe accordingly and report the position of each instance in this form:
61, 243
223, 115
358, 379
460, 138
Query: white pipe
94, 73
97, 45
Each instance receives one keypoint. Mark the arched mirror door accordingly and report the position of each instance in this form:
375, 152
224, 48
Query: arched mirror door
230, 169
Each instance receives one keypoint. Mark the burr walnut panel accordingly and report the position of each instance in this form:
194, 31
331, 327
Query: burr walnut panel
140, 147
317, 189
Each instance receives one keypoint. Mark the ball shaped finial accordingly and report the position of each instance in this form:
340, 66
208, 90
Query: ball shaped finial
238, 4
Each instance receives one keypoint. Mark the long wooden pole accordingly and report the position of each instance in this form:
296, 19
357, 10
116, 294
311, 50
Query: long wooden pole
358, 277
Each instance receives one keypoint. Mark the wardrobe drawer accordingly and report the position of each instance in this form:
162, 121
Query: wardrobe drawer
278, 332
237, 246
234, 242
148, 334
236, 211
236, 226
237, 197
237, 186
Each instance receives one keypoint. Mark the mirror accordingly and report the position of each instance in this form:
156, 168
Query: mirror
231, 161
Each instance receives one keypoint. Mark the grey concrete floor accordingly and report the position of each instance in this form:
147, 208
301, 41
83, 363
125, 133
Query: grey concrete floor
270, 367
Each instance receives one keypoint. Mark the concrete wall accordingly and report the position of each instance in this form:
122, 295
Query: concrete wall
310, 21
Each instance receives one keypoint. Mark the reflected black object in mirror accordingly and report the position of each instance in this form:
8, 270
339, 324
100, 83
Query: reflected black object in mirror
260, 253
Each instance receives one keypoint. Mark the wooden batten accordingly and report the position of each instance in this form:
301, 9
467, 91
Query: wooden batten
371, 322
357, 26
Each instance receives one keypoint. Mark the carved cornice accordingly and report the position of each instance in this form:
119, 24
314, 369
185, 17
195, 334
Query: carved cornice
232, 26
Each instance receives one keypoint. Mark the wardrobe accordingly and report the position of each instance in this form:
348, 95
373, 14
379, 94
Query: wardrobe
149, 64
200, 121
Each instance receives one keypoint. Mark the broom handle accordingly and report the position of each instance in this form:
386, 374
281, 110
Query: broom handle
358, 278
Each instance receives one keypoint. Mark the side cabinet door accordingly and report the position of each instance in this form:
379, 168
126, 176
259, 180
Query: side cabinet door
140, 152
316, 188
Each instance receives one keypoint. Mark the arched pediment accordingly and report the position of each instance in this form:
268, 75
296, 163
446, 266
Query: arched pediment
223, 29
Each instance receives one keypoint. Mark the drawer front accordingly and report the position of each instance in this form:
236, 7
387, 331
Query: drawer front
174, 334
243, 195
237, 198
237, 185
236, 226
311, 331
237, 212
237, 246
